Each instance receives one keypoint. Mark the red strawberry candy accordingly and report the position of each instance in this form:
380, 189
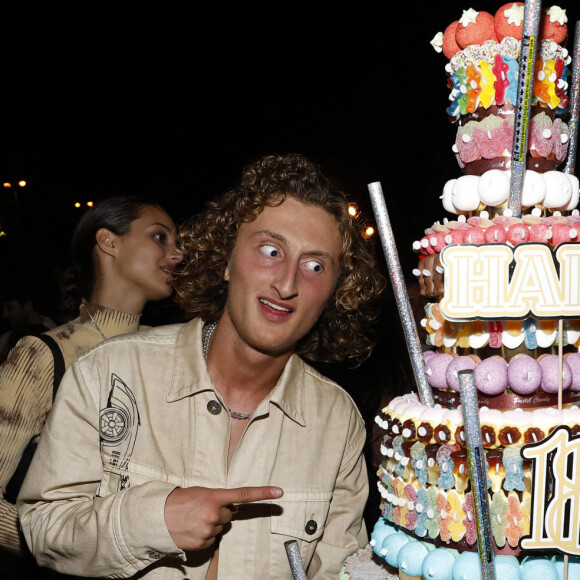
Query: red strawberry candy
450, 46
553, 25
509, 20
475, 28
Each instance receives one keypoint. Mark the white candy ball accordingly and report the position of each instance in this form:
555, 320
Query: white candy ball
575, 192
494, 187
464, 195
558, 189
446, 197
533, 189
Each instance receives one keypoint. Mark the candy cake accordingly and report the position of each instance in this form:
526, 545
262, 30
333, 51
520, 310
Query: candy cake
501, 292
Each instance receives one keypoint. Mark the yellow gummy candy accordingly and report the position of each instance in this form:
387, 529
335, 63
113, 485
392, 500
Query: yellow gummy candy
487, 95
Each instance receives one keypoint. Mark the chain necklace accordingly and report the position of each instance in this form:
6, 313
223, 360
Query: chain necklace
207, 333
95, 322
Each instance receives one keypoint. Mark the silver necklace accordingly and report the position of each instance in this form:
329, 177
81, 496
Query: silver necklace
95, 322
208, 331
207, 334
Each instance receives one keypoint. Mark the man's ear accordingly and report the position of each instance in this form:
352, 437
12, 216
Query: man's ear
106, 241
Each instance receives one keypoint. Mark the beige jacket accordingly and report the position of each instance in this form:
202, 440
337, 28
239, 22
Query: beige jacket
132, 421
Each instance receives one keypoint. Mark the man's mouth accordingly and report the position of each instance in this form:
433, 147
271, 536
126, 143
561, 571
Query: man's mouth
274, 306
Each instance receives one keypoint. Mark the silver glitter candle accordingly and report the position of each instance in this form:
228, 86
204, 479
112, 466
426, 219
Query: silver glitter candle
401, 295
295, 560
477, 472
528, 51
574, 102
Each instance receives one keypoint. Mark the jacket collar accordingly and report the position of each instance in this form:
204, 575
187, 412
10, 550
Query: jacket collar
190, 374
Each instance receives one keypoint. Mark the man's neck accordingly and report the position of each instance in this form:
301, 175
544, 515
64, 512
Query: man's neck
240, 371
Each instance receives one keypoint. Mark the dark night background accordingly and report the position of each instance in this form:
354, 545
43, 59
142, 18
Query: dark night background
171, 103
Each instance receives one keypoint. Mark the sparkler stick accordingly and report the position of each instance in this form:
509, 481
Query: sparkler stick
477, 472
524, 103
295, 560
574, 102
401, 295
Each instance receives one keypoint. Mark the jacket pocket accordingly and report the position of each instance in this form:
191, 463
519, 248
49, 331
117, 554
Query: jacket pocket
302, 517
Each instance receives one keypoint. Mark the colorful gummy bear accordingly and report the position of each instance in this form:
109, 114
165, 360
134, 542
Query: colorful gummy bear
464, 88
500, 70
453, 109
514, 469
561, 72
512, 75
419, 462
457, 515
499, 508
400, 510
513, 530
474, 88
444, 519
469, 520
412, 516
445, 462
432, 523
487, 94
422, 510
399, 455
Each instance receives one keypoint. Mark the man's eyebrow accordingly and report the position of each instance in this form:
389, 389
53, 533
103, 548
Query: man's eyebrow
283, 239
271, 234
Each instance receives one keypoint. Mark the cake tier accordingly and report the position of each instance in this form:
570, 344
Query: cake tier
486, 75
419, 560
424, 480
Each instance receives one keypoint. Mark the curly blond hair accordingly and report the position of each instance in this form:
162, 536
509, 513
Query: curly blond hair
343, 330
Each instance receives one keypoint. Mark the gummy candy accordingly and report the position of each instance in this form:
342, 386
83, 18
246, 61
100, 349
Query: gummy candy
500, 70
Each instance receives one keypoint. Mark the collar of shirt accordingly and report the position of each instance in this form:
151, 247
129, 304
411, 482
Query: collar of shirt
190, 375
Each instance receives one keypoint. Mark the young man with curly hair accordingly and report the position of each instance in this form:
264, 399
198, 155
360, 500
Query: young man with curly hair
197, 450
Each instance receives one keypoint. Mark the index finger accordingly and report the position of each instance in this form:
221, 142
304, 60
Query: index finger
248, 494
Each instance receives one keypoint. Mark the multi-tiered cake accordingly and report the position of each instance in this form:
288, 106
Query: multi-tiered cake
502, 292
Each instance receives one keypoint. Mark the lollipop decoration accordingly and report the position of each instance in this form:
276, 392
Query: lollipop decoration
478, 472
574, 103
523, 106
398, 282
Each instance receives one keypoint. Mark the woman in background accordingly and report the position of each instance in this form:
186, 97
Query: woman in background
124, 253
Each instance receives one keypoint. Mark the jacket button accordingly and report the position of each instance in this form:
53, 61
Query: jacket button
310, 527
214, 407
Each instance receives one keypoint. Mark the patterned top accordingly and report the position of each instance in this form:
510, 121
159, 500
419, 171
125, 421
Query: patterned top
26, 380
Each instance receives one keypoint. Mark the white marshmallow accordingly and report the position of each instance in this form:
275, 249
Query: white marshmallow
494, 187
464, 194
534, 188
558, 189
